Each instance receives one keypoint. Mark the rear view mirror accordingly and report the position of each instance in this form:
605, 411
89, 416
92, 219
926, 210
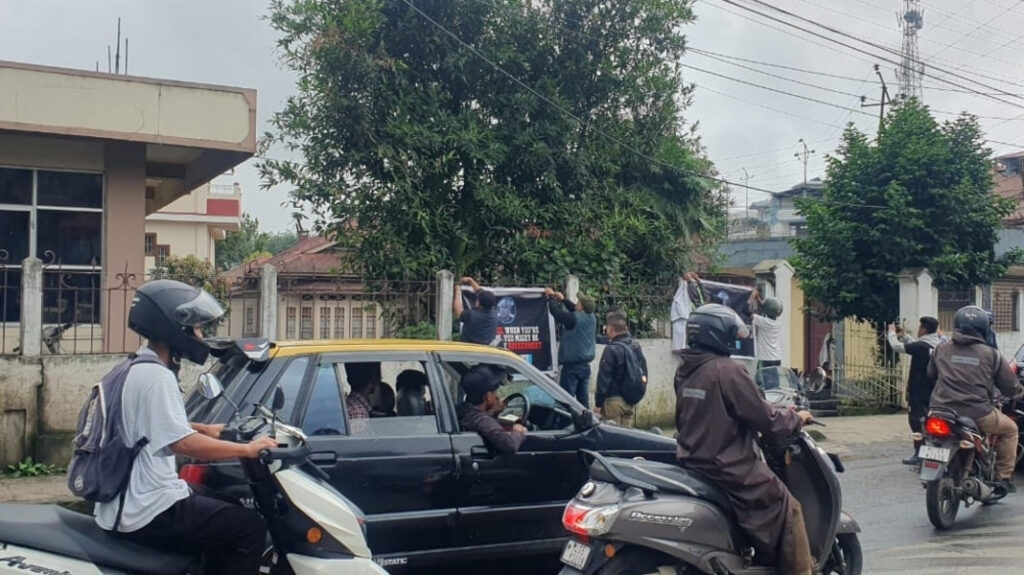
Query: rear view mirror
278, 401
209, 386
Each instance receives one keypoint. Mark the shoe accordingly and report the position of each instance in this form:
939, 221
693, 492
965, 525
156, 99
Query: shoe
912, 460
1008, 485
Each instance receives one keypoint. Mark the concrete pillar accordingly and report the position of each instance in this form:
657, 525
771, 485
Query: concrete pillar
1018, 322
784, 276
927, 295
979, 296
572, 287
443, 307
31, 326
124, 242
908, 298
268, 302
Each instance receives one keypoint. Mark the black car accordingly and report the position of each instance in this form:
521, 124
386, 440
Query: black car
433, 495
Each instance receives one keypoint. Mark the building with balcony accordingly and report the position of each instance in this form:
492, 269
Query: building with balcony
193, 224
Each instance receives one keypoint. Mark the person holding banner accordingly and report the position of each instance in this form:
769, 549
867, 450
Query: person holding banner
480, 324
577, 348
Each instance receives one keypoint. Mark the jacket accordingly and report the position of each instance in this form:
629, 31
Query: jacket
577, 345
493, 434
612, 370
919, 387
966, 373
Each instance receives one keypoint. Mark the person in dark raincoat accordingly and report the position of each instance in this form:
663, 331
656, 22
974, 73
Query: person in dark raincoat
719, 411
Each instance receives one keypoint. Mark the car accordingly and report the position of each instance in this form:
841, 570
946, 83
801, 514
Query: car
433, 495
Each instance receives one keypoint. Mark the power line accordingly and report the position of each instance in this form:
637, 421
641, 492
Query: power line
709, 53
979, 27
776, 76
766, 107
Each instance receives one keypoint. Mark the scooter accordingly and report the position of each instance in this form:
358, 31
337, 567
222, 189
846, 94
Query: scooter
644, 517
314, 529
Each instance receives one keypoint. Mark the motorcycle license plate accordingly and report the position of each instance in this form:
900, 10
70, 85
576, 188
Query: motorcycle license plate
576, 554
934, 453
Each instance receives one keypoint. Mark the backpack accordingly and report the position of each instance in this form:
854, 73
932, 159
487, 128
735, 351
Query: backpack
102, 464
634, 376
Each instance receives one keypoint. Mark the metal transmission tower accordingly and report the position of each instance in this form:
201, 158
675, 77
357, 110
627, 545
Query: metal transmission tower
911, 70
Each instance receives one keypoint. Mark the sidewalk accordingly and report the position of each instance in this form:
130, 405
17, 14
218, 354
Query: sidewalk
844, 434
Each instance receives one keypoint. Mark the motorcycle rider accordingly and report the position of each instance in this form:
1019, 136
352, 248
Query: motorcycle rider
966, 373
719, 411
160, 509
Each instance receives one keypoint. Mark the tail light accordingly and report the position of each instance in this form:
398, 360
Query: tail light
936, 427
588, 521
193, 473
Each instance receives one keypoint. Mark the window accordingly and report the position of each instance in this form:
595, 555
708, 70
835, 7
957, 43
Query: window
290, 383
250, 322
69, 189
162, 253
371, 323
357, 322
290, 323
15, 186
1004, 308
325, 322
75, 238
306, 325
339, 323
150, 244
14, 236
324, 415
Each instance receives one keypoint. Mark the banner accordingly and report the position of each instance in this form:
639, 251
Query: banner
733, 296
524, 323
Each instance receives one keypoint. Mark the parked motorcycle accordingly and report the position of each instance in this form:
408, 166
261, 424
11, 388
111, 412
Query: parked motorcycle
958, 465
643, 517
314, 529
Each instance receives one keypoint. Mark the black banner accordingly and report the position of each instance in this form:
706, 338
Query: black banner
523, 323
733, 296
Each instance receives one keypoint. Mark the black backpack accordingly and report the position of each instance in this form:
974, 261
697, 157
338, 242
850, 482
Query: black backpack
634, 376
102, 464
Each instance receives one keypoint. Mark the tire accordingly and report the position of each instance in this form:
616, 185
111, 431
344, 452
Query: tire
943, 502
847, 549
633, 562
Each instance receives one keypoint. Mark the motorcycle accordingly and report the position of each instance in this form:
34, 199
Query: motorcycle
643, 517
958, 466
313, 528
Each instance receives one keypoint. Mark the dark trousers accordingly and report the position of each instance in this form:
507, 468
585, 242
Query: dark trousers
575, 378
231, 537
916, 412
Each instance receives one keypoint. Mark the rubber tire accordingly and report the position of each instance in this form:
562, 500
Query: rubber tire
850, 545
633, 562
939, 518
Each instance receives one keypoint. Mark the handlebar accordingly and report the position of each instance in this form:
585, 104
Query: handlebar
294, 455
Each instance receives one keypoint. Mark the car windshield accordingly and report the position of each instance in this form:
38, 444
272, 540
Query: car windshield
229, 369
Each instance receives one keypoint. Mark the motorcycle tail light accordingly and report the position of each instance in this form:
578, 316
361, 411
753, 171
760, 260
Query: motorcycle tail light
588, 521
193, 474
936, 427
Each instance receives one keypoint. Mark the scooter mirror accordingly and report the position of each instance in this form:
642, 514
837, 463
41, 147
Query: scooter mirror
278, 401
210, 387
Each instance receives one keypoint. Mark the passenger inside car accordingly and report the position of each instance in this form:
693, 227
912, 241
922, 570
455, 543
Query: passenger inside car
383, 400
411, 399
363, 379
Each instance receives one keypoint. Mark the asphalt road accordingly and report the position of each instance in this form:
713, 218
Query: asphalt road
888, 501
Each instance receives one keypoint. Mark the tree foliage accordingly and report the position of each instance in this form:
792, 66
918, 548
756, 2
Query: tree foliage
919, 197
421, 155
249, 243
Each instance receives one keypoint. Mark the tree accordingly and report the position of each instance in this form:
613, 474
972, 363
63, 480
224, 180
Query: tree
419, 154
918, 197
249, 243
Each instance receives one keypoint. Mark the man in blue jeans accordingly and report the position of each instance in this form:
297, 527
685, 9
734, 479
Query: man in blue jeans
576, 350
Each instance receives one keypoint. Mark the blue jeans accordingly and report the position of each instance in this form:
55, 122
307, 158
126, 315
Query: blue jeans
575, 378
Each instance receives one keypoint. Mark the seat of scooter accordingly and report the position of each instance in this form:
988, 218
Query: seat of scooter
968, 422
666, 477
53, 529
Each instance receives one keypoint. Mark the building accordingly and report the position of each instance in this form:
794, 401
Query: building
84, 158
778, 215
1009, 183
193, 224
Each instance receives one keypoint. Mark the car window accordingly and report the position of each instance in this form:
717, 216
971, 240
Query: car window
392, 397
324, 414
290, 383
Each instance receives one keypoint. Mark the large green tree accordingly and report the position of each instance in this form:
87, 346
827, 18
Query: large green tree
422, 154
919, 196
249, 243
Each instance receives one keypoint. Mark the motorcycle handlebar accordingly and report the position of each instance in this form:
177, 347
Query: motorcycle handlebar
294, 455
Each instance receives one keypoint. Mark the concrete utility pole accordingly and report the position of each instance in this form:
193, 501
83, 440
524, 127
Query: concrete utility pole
804, 157
746, 198
881, 104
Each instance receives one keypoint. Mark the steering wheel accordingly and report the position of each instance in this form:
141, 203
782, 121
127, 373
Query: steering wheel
519, 405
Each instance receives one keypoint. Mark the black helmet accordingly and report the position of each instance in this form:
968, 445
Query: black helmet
972, 321
715, 327
166, 311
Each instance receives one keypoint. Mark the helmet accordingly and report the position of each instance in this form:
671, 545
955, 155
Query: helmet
167, 311
772, 307
715, 327
972, 321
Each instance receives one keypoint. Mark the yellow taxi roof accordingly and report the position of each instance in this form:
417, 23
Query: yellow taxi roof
291, 348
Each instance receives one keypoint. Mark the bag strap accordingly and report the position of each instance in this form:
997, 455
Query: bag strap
136, 449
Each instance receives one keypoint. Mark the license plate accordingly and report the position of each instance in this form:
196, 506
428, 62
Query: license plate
576, 554
934, 453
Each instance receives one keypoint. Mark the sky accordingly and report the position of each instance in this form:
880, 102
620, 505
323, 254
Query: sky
742, 125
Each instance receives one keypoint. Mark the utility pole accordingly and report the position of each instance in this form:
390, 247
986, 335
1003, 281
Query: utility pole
881, 104
804, 157
746, 198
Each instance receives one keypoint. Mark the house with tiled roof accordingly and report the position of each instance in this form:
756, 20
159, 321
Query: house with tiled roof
320, 295
1009, 183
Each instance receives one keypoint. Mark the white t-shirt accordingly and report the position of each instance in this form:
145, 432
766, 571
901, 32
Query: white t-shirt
151, 407
768, 338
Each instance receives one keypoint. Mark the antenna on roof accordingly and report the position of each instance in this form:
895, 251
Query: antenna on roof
117, 57
125, 55
108, 59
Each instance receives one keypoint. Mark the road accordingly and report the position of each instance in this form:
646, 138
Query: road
888, 502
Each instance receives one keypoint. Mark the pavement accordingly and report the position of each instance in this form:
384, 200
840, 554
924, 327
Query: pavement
50, 489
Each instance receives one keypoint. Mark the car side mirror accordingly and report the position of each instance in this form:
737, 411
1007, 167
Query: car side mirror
209, 386
278, 401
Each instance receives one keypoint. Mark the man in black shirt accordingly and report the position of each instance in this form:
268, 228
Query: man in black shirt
480, 324
477, 413
919, 388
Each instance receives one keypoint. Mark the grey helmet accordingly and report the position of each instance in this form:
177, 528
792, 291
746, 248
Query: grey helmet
772, 307
972, 321
716, 328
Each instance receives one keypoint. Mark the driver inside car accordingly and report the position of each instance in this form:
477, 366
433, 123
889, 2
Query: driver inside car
479, 411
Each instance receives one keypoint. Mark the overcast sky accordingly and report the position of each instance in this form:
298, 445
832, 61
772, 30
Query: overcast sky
743, 126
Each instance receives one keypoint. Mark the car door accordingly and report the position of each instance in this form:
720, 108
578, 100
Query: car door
518, 498
398, 469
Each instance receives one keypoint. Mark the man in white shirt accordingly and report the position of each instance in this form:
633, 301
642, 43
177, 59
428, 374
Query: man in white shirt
767, 338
